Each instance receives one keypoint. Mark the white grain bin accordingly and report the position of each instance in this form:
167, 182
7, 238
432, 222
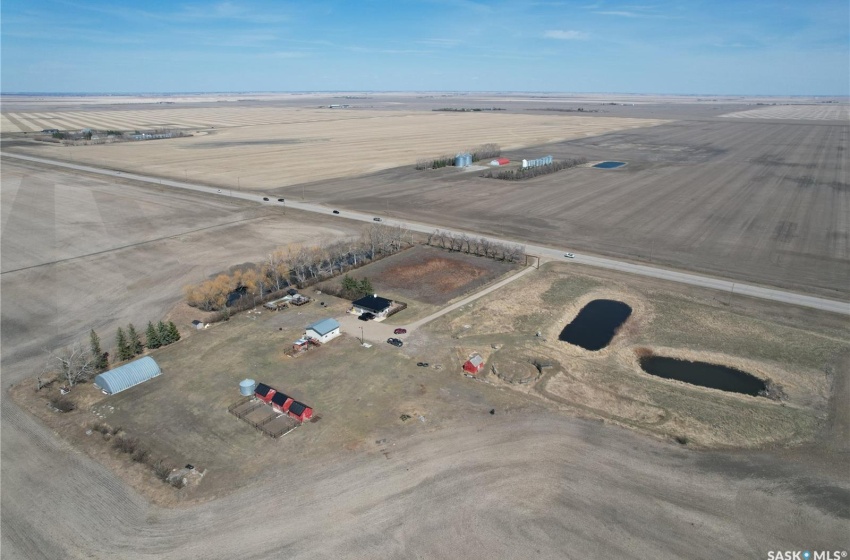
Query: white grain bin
247, 386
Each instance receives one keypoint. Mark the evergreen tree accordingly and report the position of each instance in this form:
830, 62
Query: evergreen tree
100, 357
164, 336
125, 352
172, 330
152, 336
349, 284
366, 287
133, 340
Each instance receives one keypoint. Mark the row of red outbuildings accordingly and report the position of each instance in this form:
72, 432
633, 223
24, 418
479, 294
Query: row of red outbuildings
283, 403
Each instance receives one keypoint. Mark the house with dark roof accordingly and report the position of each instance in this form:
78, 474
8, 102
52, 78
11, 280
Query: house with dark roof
373, 304
323, 331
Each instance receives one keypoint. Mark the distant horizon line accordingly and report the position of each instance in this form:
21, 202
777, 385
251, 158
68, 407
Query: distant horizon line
461, 92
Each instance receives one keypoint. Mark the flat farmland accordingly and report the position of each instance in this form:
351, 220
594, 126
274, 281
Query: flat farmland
81, 252
294, 146
757, 201
533, 477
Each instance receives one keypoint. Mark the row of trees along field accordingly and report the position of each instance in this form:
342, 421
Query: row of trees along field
484, 151
480, 246
298, 265
537, 171
77, 363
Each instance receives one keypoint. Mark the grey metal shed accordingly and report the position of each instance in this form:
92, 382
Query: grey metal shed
128, 375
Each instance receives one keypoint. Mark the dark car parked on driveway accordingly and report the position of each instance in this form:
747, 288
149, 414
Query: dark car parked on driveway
395, 342
400, 331
367, 316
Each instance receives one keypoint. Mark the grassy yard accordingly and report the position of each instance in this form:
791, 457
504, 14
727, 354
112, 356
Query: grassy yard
610, 384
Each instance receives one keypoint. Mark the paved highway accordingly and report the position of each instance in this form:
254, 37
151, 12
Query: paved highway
545, 252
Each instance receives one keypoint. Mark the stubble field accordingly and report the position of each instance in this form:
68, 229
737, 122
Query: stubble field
762, 202
259, 149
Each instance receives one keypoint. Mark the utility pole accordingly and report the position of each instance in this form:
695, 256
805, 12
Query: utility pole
732, 291
361, 336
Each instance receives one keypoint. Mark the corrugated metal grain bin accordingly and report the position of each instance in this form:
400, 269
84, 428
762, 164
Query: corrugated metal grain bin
246, 387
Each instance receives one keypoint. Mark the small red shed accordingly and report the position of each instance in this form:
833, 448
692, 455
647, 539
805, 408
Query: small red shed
264, 393
300, 411
281, 402
474, 364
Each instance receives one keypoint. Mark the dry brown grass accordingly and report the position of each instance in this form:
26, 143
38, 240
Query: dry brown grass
610, 384
443, 274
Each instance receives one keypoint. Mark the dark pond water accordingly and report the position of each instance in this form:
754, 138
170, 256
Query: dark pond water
610, 164
595, 325
703, 374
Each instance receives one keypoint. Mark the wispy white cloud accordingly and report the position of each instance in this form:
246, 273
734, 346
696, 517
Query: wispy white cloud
438, 42
231, 11
566, 35
288, 54
620, 13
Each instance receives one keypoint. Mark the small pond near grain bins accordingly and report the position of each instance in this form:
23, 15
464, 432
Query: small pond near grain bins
596, 324
610, 164
703, 374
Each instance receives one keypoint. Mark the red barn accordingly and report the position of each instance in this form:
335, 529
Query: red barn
264, 392
474, 365
281, 402
300, 411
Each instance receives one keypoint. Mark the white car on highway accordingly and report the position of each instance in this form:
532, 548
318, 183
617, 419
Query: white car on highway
569, 255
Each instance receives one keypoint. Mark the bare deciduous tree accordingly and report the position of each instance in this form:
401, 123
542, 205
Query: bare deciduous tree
277, 268
73, 363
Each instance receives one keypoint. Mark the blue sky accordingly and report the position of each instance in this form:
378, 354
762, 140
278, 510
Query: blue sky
692, 47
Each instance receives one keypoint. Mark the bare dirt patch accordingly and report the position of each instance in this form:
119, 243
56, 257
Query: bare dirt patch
443, 275
430, 275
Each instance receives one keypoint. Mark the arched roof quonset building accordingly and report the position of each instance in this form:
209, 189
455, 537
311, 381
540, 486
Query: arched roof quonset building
128, 375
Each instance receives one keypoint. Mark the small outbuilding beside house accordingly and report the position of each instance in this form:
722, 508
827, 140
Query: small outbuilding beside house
323, 331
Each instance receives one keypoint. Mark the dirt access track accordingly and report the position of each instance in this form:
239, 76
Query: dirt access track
526, 481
